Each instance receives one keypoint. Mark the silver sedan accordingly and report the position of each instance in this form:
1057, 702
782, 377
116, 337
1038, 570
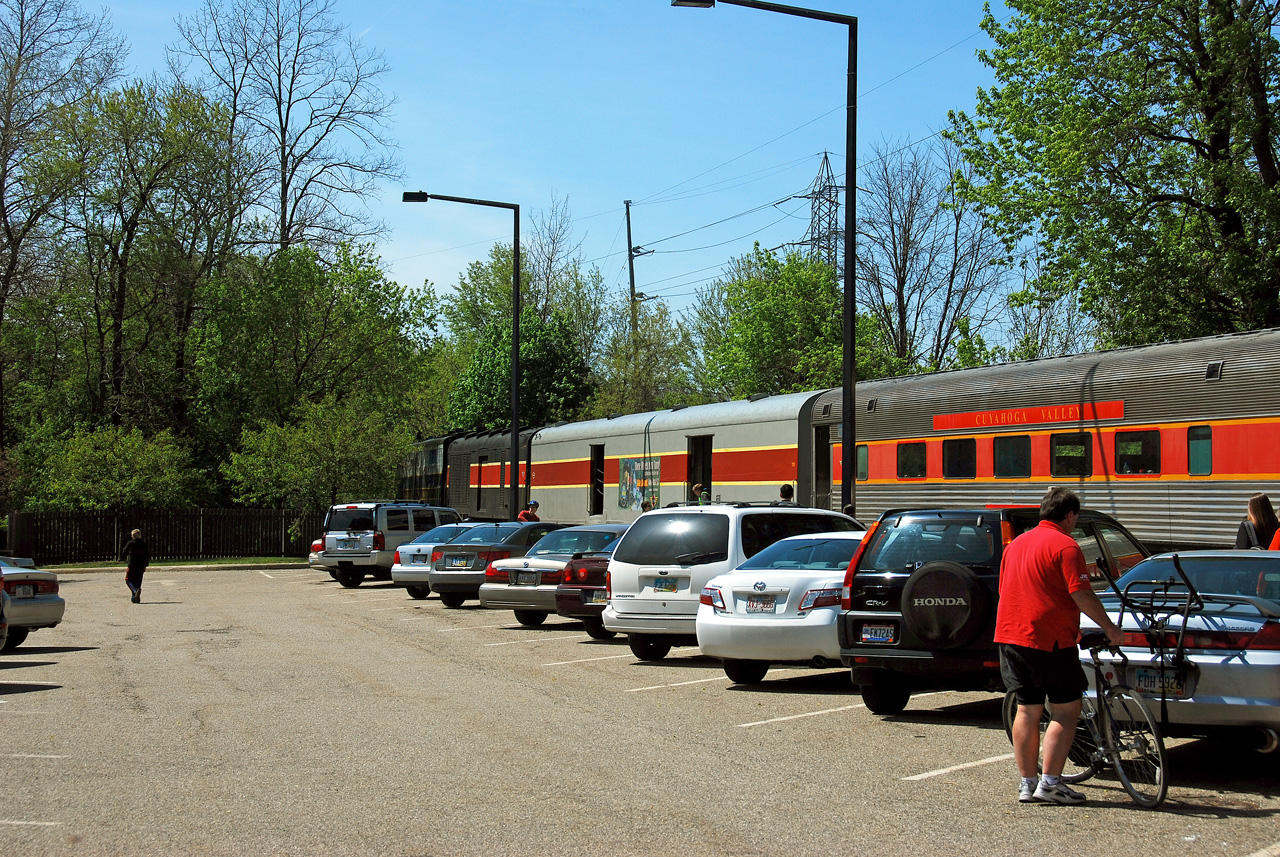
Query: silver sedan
34, 601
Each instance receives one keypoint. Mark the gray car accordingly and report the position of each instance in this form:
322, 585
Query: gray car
528, 584
34, 601
457, 568
361, 538
412, 566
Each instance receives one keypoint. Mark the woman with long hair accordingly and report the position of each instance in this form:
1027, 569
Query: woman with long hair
1260, 526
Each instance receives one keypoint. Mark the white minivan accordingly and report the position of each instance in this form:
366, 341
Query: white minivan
658, 570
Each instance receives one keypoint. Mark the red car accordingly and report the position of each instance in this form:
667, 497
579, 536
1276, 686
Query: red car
583, 593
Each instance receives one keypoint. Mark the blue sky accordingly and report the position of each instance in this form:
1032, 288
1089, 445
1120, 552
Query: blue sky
696, 115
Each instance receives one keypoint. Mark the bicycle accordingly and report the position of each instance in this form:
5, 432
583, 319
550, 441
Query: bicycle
1121, 735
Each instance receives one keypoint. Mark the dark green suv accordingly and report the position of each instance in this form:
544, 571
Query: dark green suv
918, 606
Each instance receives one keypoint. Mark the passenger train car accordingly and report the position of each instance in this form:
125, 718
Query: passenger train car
1172, 439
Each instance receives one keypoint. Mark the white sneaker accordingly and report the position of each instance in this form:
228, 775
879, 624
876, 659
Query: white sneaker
1059, 793
1027, 791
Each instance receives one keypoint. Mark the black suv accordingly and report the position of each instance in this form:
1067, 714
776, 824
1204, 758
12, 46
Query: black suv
918, 609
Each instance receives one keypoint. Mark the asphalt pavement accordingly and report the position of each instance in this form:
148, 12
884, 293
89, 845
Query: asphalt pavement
267, 711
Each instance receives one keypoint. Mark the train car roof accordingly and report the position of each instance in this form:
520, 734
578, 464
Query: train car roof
785, 406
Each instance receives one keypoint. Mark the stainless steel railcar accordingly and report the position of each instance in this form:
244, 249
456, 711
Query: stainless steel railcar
1172, 439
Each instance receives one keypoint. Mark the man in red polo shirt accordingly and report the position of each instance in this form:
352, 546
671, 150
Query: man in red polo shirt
1044, 588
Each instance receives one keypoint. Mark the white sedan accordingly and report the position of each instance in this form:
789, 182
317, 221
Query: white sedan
780, 606
34, 601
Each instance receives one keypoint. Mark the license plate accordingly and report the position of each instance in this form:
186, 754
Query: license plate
1149, 682
527, 578
664, 584
24, 591
877, 633
418, 559
761, 604
598, 596
348, 544
458, 562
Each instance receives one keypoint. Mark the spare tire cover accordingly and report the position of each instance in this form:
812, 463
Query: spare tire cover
945, 605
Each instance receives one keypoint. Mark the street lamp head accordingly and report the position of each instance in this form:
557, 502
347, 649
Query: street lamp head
415, 196
696, 4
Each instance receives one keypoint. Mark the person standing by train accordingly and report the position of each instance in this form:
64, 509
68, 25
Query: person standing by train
1259, 527
136, 556
530, 513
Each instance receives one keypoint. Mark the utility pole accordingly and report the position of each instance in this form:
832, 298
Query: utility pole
631, 269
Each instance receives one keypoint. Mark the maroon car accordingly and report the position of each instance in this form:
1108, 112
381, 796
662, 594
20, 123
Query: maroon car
582, 593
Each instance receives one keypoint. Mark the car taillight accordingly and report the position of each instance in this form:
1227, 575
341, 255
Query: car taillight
846, 592
493, 575
820, 598
608, 585
493, 556
38, 587
549, 577
317, 546
1006, 532
396, 559
379, 540
437, 555
712, 597
1265, 638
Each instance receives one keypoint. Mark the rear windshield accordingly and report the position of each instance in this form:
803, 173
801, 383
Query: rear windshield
915, 541
349, 520
1257, 575
675, 539
760, 531
438, 535
486, 534
573, 541
808, 554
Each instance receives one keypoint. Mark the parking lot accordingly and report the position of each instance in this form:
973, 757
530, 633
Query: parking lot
273, 712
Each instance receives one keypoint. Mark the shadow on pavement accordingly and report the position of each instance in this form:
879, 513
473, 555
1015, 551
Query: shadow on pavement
815, 683
12, 687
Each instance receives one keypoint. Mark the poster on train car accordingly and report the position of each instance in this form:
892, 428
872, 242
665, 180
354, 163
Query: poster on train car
638, 480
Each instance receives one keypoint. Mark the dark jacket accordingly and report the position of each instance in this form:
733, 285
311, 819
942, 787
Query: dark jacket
1249, 536
136, 554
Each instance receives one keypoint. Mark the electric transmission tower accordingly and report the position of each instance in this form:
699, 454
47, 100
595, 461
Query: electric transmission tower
825, 238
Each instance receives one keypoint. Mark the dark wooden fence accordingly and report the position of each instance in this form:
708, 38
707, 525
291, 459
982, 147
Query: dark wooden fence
61, 537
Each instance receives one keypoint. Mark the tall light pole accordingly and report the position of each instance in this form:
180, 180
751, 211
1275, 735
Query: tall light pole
848, 437
421, 196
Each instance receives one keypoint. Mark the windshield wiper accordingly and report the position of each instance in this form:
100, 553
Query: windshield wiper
701, 557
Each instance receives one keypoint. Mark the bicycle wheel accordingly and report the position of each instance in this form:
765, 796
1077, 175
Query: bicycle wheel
1137, 750
1080, 758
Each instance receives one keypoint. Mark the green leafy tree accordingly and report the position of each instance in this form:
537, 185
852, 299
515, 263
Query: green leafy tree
335, 450
111, 468
783, 326
1136, 142
647, 370
555, 381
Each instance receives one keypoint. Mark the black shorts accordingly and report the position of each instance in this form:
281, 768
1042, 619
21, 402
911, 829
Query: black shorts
1033, 674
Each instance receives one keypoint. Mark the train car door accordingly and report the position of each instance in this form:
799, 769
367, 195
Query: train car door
484, 459
699, 459
595, 502
821, 467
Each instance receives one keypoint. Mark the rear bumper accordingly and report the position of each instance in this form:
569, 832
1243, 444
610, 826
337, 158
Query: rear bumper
468, 582
41, 612
925, 670
769, 638
572, 601
411, 575
506, 596
650, 623
329, 559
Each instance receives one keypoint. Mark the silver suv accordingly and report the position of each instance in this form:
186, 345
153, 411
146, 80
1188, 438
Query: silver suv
662, 562
361, 538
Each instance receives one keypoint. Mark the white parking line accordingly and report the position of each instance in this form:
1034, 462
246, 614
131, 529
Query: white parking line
32, 756
534, 642
413, 619
677, 684
585, 660
799, 716
385, 609
1269, 851
267, 576
991, 760
41, 683
32, 823
470, 628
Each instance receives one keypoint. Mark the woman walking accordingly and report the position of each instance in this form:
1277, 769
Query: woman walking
1260, 527
136, 556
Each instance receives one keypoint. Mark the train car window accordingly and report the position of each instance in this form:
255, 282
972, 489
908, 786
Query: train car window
1138, 451
1012, 456
911, 461
1071, 454
960, 458
1200, 450
860, 462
